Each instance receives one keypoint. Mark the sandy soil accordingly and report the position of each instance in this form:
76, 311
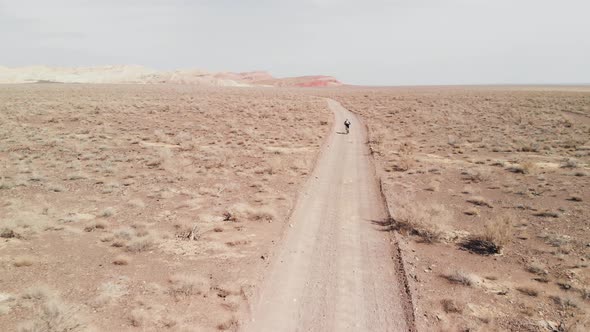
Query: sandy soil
335, 270
489, 187
145, 208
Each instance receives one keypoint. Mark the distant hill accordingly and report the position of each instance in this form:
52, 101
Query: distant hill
142, 75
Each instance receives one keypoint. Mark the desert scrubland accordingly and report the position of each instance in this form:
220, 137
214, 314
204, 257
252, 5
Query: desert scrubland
158, 207
145, 207
489, 189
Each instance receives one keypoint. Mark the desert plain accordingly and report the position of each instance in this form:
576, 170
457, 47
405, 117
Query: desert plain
162, 207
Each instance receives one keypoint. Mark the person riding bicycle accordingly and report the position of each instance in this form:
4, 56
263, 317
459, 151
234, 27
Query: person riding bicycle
347, 125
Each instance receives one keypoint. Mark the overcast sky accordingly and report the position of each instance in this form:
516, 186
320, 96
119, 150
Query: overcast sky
371, 42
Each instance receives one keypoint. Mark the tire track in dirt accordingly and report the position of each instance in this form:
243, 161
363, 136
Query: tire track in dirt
337, 268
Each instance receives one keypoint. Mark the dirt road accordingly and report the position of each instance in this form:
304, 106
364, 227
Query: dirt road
335, 270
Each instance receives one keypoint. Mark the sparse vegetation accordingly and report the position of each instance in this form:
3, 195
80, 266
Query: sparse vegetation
451, 306
462, 278
422, 222
496, 153
158, 156
140, 244
528, 291
121, 260
184, 285
537, 268
496, 235
53, 316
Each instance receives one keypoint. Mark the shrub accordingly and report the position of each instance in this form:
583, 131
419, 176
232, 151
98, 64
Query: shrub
480, 201
184, 285
497, 233
108, 212
451, 306
140, 244
461, 278
528, 291
121, 260
537, 268
422, 222
54, 316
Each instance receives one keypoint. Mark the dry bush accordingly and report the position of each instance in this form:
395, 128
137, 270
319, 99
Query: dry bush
570, 163
528, 291
230, 324
54, 316
406, 157
564, 302
121, 260
97, 224
108, 292
8, 233
38, 292
433, 186
547, 214
108, 212
476, 175
451, 306
25, 260
537, 268
423, 222
185, 285
462, 278
480, 201
496, 235
140, 244
522, 168
139, 317
243, 211
137, 202
187, 231
575, 198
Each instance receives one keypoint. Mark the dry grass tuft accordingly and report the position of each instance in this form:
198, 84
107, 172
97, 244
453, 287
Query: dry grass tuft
420, 221
575, 198
121, 260
8, 233
108, 212
480, 201
97, 224
406, 157
570, 163
547, 214
25, 260
528, 291
451, 306
138, 317
462, 278
185, 285
242, 211
522, 168
476, 175
140, 244
54, 316
38, 292
496, 235
229, 324
537, 268
564, 302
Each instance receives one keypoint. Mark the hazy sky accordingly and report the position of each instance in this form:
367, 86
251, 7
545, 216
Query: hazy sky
375, 42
